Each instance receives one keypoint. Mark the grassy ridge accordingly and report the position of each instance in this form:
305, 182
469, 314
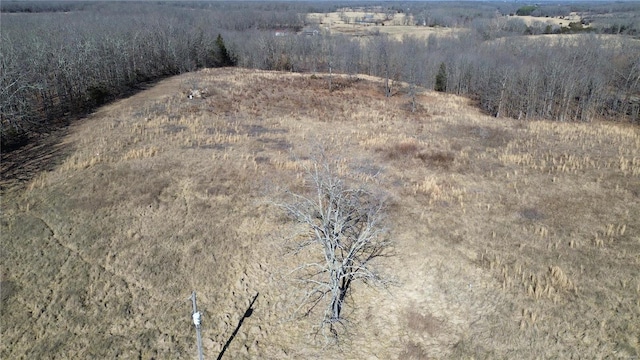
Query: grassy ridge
511, 237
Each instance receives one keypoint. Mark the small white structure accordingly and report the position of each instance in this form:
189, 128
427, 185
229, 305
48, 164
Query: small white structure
196, 319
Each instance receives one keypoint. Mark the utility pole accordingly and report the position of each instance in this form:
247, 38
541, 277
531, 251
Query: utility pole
196, 321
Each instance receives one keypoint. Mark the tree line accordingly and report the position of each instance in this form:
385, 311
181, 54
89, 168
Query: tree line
57, 64
60, 64
577, 78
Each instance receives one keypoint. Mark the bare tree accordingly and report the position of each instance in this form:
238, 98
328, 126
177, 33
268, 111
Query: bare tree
344, 232
413, 64
381, 46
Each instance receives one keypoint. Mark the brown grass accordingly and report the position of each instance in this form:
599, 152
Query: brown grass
394, 27
556, 21
513, 240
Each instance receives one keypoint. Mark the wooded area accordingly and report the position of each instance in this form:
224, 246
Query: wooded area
60, 60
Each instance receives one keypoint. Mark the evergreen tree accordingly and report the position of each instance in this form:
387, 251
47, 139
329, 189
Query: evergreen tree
223, 57
441, 79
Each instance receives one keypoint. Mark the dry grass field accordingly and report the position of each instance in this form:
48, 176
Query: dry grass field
512, 240
335, 22
554, 21
349, 23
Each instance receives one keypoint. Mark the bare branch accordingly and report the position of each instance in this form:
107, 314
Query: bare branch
345, 224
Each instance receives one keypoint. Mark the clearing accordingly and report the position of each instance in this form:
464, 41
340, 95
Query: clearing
513, 239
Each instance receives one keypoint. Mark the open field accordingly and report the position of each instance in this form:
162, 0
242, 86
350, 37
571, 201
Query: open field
397, 25
512, 239
337, 23
554, 21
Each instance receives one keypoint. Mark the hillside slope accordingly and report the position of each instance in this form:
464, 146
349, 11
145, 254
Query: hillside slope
512, 239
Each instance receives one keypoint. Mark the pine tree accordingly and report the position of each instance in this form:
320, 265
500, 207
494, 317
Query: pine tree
223, 57
441, 79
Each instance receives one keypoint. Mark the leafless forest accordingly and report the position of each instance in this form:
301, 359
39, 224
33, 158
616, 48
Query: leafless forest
61, 59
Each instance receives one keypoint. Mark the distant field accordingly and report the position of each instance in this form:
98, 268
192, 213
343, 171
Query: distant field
512, 239
360, 23
335, 22
555, 21
612, 41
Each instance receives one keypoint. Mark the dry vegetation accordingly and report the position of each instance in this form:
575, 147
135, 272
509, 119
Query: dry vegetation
347, 23
556, 21
398, 25
513, 239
